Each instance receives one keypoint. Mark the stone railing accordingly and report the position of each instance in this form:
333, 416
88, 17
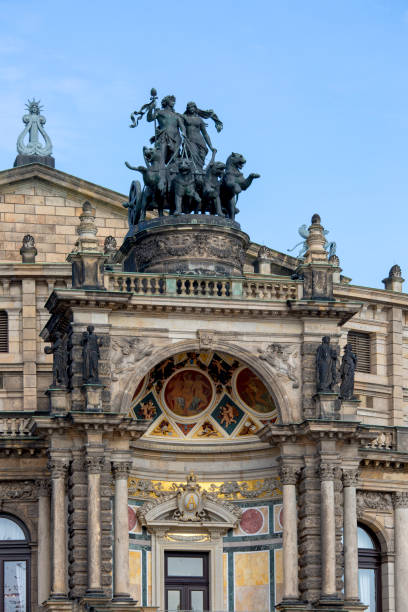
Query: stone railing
14, 426
248, 288
385, 440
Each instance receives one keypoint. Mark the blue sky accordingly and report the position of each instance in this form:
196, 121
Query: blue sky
314, 94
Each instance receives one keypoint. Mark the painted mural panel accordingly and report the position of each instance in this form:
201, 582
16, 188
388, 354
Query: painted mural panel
251, 578
135, 574
204, 397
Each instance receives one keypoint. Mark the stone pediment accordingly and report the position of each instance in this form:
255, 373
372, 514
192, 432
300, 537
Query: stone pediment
189, 509
61, 181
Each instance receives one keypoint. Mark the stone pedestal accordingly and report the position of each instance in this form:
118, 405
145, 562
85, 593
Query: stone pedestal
59, 400
349, 409
188, 244
327, 406
93, 397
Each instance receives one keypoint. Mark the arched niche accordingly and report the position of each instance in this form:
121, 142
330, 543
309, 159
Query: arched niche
203, 396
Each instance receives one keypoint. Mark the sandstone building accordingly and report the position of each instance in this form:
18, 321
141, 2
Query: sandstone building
202, 470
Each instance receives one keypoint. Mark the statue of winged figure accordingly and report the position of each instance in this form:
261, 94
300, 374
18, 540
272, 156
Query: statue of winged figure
283, 359
303, 231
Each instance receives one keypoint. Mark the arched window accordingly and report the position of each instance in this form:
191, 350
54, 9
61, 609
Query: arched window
14, 565
4, 341
369, 569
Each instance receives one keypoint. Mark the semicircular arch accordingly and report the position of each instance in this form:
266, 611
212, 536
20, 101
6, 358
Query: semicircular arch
271, 383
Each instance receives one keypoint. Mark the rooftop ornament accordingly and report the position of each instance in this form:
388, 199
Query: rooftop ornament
34, 151
175, 176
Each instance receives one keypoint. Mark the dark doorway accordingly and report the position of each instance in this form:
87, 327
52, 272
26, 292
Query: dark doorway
186, 581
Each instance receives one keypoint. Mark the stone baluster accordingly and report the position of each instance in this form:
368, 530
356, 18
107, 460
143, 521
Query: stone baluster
328, 531
350, 535
94, 465
58, 468
44, 540
401, 550
288, 476
121, 471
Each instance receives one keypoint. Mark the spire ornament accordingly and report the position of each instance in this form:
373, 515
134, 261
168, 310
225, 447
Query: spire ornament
34, 151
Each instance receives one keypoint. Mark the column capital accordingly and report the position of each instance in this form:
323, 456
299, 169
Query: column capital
327, 471
57, 467
289, 474
400, 499
350, 477
121, 469
43, 487
94, 464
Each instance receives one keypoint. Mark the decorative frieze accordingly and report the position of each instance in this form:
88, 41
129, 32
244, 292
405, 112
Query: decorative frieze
374, 500
18, 490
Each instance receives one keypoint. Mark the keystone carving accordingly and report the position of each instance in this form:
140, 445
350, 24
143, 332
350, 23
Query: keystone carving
283, 360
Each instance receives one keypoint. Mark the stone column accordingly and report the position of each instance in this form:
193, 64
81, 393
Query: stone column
350, 535
328, 531
288, 475
121, 471
401, 551
44, 540
58, 468
94, 465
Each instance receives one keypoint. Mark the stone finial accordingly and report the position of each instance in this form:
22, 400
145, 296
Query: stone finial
34, 151
334, 260
316, 269
315, 242
28, 250
87, 258
394, 280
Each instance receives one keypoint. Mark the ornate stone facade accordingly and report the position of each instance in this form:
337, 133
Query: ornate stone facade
207, 364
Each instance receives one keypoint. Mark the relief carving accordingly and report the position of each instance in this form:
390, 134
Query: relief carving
283, 360
126, 352
18, 490
374, 500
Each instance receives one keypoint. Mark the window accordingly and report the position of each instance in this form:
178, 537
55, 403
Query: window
360, 343
369, 570
186, 582
14, 565
3, 332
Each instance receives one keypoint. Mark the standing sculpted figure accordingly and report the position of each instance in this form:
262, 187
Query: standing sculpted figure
197, 138
90, 356
347, 371
167, 137
326, 361
59, 366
